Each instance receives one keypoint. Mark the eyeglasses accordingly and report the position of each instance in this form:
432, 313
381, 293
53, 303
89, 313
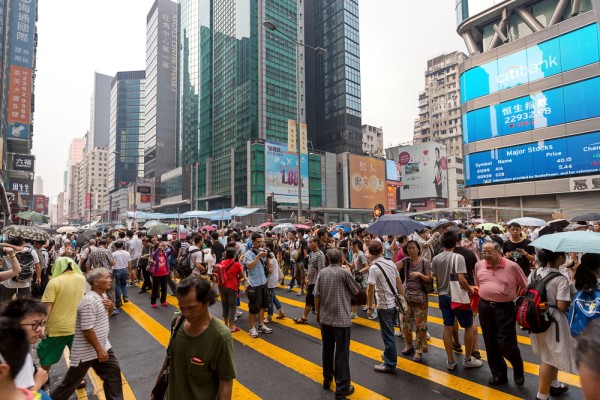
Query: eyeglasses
36, 325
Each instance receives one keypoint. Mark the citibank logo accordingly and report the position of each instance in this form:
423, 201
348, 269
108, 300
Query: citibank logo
517, 72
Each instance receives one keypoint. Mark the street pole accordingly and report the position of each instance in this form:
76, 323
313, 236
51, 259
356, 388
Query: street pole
298, 135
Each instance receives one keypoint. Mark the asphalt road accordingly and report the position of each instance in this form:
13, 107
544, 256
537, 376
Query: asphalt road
286, 363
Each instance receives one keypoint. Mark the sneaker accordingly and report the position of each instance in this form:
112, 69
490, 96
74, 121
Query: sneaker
238, 314
384, 369
373, 316
125, 299
264, 329
253, 333
153, 305
115, 312
472, 363
353, 315
300, 293
164, 304
451, 366
365, 308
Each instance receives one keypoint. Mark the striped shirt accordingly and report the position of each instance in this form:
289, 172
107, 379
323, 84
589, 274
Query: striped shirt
316, 262
91, 314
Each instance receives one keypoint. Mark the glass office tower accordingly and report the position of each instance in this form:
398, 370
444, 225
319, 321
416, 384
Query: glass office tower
126, 143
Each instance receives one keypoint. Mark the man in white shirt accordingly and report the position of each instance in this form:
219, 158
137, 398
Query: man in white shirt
383, 274
195, 254
12, 287
135, 251
120, 272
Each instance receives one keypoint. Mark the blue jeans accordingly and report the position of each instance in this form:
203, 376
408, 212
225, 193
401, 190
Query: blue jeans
386, 325
120, 285
273, 300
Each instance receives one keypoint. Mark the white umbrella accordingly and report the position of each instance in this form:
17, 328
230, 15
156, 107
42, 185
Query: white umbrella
67, 229
528, 221
151, 223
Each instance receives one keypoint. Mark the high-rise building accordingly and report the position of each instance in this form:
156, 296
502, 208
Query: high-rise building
126, 144
440, 116
38, 185
92, 184
333, 93
99, 133
237, 86
372, 140
18, 48
529, 98
74, 156
160, 132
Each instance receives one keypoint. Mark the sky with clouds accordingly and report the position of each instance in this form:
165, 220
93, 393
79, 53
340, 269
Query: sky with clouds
77, 38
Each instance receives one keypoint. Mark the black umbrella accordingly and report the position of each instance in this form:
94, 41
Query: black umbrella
587, 217
237, 225
442, 226
85, 237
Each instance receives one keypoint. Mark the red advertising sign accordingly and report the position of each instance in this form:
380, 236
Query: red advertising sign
19, 97
391, 198
88, 201
40, 204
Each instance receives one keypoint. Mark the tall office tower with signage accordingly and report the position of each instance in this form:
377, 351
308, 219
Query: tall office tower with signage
333, 109
237, 91
99, 112
18, 47
160, 133
440, 116
126, 143
531, 109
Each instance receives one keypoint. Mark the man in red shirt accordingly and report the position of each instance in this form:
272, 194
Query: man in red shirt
499, 281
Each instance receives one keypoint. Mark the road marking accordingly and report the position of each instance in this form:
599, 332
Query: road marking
162, 335
438, 321
284, 357
81, 393
530, 368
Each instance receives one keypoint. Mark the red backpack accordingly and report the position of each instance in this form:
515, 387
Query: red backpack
532, 306
219, 273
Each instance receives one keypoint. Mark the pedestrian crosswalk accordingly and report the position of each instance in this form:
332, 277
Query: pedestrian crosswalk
292, 355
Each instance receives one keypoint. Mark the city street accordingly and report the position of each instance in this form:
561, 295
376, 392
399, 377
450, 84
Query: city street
286, 363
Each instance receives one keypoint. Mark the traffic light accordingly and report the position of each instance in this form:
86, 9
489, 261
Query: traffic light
270, 204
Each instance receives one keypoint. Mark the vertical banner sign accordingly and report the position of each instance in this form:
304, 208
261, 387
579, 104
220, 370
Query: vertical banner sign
392, 201
367, 181
19, 98
88, 201
303, 139
291, 147
39, 203
167, 40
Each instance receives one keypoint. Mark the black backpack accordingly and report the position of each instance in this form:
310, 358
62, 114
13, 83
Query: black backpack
183, 265
530, 316
25, 259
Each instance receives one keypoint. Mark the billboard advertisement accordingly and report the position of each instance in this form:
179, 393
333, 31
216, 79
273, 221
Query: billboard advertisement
24, 187
423, 170
367, 181
574, 102
19, 101
569, 51
23, 162
40, 204
572, 155
281, 173
393, 171
392, 200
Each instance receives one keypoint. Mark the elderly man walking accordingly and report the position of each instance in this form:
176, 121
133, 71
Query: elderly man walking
499, 281
332, 293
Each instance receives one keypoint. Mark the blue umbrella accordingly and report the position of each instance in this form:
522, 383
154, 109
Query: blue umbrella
577, 241
394, 224
344, 227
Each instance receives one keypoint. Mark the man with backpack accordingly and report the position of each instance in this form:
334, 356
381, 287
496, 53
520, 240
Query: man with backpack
499, 281
193, 257
31, 271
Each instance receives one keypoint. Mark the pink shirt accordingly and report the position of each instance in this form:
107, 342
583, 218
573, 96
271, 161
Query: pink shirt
501, 283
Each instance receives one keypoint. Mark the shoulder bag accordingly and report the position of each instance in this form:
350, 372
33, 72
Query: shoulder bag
460, 297
415, 296
162, 383
401, 306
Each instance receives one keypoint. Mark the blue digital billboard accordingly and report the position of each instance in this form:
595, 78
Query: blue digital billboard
572, 155
22, 29
563, 53
580, 100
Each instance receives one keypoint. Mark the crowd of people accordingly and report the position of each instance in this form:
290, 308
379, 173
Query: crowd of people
71, 293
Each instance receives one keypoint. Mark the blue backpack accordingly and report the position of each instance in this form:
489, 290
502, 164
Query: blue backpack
584, 308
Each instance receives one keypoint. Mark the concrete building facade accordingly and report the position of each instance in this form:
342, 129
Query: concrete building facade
372, 140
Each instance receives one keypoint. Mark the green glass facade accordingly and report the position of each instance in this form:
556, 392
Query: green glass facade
238, 83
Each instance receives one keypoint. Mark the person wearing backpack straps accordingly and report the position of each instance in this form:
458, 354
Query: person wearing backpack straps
499, 280
587, 283
20, 285
556, 355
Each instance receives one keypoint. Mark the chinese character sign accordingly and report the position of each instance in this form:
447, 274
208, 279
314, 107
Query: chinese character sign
22, 33
281, 173
19, 95
292, 136
167, 41
23, 162
40, 204
24, 187
367, 181
303, 139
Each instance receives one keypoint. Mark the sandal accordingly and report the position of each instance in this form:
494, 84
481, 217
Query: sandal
476, 354
417, 357
300, 320
457, 348
281, 315
234, 329
408, 351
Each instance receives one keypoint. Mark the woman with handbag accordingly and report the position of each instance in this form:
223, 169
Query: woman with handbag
417, 273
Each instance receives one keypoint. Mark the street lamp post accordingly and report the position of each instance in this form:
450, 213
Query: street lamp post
318, 50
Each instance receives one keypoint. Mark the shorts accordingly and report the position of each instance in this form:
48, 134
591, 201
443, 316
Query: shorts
464, 317
50, 349
299, 272
258, 297
310, 297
